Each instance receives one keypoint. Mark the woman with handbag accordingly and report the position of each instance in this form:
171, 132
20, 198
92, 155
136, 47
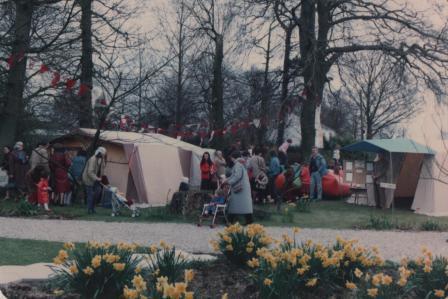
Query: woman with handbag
240, 197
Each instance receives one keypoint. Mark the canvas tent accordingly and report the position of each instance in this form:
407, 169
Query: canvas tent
406, 158
147, 167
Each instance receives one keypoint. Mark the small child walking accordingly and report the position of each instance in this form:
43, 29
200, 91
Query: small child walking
42, 191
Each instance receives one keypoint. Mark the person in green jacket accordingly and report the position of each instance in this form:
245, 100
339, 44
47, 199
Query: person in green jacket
92, 174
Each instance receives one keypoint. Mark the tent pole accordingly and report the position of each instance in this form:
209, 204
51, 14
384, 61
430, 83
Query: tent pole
392, 180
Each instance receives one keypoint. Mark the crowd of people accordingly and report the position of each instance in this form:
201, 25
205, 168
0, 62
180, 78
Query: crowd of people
253, 176
51, 174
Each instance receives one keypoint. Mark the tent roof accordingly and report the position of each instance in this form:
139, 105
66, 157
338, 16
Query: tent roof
400, 145
138, 138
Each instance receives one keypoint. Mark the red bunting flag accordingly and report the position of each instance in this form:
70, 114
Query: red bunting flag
83, 89
70, 84
56, 79
43, 69
11, 61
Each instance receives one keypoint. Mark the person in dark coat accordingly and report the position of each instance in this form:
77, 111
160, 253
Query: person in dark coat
18, 166
7, 151
59, 164
75, 172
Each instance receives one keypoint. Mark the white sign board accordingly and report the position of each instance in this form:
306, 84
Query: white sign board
388, 186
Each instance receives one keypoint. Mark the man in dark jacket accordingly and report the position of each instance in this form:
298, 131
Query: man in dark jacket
318, 168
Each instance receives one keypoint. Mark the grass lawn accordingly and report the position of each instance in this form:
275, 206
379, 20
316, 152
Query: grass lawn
25, 252
326, 214
340, 215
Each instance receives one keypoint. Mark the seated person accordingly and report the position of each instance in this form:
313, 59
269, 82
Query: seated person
219, 197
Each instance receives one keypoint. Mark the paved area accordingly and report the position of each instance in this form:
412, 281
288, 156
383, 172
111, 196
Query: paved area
393, 245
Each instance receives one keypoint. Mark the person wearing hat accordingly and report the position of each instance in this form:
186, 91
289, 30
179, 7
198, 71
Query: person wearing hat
92, 175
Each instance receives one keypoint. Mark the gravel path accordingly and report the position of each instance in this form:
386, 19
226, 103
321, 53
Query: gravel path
393, 244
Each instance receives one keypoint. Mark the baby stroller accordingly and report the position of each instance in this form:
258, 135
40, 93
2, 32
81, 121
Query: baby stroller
118, 201
218, 206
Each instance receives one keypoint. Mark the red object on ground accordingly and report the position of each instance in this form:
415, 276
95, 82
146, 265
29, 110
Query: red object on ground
280, 181
332, 185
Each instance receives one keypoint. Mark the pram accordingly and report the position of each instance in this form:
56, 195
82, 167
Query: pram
118, 201
213, 210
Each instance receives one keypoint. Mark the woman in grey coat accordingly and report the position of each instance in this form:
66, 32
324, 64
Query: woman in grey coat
240, 198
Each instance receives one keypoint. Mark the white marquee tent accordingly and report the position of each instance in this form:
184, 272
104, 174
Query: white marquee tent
147, 167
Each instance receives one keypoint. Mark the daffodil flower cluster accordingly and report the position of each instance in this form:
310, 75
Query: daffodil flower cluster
240, 244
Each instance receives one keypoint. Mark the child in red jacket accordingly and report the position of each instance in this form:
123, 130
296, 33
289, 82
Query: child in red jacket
42, 191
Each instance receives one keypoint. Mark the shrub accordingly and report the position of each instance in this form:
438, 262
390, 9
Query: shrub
161, 289
25, 208
240, 244
167, 262
96, 270
431, 225
310, 269
303, 204
379, 223
430, 276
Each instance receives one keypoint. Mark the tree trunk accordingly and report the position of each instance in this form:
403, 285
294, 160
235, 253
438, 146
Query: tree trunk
85, 103
217, 88
285, 83
267, 93
180, 58
14, 105
307, 50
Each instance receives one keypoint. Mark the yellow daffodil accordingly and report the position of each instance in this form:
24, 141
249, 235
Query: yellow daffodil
227, 239
69, 246
138, 270
164, 245
229, 248
439, 293
57, 261
119, 266
376, 279
139, 283
311, 282
253, 263
249, 249
350, 285
386, 280
130, 293
88, 271
296, 230
58, 292
96, 261
73, 269
372, 292
267, 282
189, 275
225, 296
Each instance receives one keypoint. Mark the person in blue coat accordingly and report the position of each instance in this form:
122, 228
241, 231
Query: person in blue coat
318, 168
274, 170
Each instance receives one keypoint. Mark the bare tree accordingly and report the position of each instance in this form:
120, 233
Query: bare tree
330, 29
214, 19
381, 90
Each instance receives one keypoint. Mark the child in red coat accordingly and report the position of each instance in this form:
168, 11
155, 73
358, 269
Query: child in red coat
42, 191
